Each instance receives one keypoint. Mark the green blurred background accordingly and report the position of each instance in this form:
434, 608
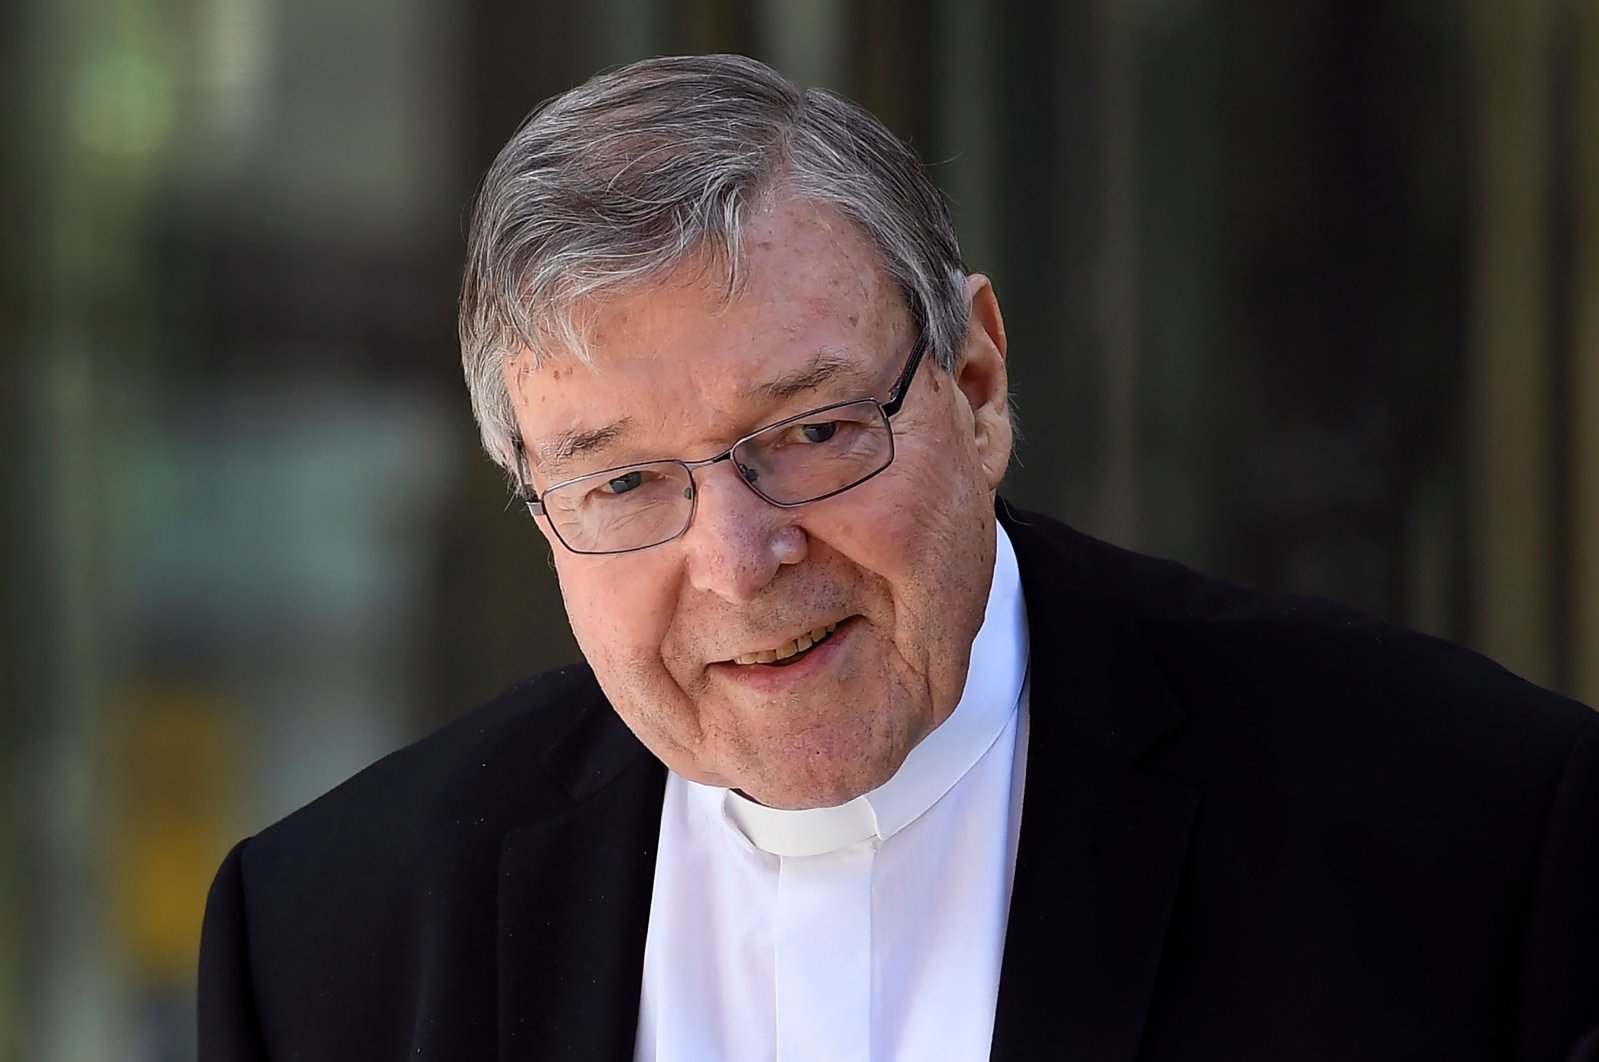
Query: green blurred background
1305, 294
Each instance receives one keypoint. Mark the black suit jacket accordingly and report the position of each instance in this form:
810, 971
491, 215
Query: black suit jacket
1254, 827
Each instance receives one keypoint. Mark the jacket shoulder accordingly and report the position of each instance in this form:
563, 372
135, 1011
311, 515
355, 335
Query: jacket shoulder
490, 758
1384, 806
363, 924
439, 806
1243, 653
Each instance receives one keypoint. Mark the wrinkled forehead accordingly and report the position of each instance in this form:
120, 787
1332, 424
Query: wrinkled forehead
792, 258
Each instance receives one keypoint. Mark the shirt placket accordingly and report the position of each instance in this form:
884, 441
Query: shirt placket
823, 956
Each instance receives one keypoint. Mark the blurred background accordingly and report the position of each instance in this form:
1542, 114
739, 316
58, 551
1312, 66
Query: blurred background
1304, 294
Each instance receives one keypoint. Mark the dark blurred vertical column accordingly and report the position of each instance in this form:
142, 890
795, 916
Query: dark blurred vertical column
1512, 458
889, 61
1121, 185
1139, 269
1046, 204
14, 614
704, 26
968, 115
95, 107
809, 43
1109, 162
1583, 133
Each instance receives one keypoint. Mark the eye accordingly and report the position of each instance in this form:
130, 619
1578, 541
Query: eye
818, 433
623, 483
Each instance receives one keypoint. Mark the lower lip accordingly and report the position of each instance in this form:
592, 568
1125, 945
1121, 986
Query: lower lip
766, 679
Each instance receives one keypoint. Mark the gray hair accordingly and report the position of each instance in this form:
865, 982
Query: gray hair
640, 170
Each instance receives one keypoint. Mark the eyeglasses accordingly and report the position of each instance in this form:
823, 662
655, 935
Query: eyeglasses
798, 460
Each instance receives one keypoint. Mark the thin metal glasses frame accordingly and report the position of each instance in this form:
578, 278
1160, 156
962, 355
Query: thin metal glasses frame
896, 400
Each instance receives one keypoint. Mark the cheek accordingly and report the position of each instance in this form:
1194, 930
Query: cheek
940, 542
618, 617
945, 502
912, 542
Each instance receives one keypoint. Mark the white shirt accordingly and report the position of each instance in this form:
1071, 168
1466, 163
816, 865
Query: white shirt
871, 930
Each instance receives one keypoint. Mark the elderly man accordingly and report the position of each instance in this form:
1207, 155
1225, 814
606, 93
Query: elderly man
857, 768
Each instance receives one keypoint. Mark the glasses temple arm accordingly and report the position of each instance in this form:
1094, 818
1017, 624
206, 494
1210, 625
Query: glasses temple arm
524, 488
896, 397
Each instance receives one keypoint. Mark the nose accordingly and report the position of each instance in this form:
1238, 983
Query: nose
738, 541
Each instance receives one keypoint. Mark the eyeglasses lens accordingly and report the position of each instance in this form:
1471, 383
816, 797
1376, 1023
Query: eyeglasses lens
794, 461
816, 454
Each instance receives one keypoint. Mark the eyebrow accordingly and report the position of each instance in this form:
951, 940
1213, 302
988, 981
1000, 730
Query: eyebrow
556, 451
825, 366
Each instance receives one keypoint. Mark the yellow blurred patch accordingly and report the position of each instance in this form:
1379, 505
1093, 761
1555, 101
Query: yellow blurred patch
173, 809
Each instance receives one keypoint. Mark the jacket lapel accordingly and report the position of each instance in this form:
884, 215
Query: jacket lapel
1101, 849
573, 900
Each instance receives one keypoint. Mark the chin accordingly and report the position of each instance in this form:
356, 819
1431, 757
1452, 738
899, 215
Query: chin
838, 784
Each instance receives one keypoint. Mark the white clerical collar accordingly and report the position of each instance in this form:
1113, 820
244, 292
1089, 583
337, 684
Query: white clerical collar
993, 684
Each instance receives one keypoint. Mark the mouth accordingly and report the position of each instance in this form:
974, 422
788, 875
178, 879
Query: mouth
789, 652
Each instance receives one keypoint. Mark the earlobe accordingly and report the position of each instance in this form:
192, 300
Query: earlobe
982, 378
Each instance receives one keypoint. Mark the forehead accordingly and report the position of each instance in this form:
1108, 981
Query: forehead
681, 351
799, 264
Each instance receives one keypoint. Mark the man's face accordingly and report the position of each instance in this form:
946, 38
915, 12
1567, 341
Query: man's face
901, 564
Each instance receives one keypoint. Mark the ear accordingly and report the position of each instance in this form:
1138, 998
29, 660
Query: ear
980, 375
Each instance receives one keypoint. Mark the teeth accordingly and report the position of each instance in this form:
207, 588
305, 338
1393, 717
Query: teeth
788, 649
